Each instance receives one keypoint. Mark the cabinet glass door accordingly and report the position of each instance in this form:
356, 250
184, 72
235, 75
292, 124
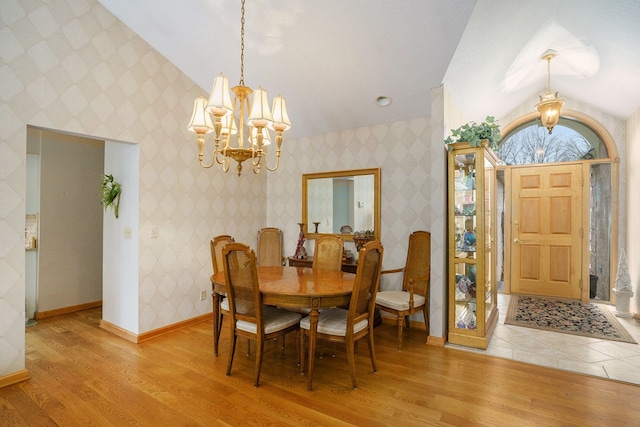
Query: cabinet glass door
465, 220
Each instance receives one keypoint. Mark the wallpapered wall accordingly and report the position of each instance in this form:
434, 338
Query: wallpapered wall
73, 67
411, 157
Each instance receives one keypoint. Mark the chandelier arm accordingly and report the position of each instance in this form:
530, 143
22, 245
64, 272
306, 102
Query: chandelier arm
259, 154
277, 163
225, 164
210, 165
223, 151
257, 167
217, 156
278, 145
256, 153
201, 143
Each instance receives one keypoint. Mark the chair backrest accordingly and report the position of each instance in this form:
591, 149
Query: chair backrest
217, 243
418, 263
327, 254
270, 246
365, 287
241, 277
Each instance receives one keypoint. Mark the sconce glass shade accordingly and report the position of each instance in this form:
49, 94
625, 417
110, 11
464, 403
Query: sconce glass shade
549, 108
200, 122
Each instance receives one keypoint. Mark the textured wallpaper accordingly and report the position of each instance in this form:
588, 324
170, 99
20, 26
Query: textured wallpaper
73, 67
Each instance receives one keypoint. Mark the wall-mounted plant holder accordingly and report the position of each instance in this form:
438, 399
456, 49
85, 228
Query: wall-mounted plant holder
111, 190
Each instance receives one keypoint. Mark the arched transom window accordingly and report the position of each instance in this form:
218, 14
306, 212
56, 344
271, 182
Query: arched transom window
531, 143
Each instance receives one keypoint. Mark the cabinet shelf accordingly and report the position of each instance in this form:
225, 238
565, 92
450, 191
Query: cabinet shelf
473, 308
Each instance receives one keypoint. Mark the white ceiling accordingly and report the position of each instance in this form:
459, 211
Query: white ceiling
331, 59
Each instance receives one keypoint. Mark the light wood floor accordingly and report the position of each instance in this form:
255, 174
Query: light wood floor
84, 376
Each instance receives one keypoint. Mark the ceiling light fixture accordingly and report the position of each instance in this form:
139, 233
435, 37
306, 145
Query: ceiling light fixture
383, 101
549, 105
218, 115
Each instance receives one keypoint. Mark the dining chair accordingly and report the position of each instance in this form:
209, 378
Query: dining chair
339, 325
270, 247
414, 296
327, 254
216, 245
248, 316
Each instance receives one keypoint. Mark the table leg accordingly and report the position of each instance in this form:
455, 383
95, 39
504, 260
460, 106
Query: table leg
216, 321
313, 330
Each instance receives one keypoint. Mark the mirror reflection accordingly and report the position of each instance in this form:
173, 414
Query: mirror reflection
341, 202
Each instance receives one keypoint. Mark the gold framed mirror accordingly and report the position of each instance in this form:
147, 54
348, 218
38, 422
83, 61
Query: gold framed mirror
341, 203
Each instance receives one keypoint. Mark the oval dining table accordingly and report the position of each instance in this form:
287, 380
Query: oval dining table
295, 287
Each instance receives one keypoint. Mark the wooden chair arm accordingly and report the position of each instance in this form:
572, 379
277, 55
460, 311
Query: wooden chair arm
411, 282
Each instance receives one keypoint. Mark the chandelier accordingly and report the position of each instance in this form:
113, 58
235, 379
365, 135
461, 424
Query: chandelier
247, 140
549, 105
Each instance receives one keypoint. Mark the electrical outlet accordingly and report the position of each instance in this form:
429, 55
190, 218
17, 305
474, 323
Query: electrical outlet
153, 233
203, 295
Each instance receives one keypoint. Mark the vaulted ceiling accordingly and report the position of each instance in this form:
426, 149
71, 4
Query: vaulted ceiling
331, 59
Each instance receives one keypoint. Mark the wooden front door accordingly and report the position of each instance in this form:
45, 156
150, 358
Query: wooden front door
546, 230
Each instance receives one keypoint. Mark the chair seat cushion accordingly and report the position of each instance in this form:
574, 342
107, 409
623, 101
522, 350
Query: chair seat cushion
398, 300
333, 321
274, 320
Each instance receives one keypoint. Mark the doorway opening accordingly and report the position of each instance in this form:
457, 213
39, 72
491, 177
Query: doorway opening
63, 233
580, 141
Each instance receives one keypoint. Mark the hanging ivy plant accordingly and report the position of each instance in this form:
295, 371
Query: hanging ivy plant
111, 190
474, 133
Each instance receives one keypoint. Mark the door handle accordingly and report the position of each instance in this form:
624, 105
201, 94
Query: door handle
516, 240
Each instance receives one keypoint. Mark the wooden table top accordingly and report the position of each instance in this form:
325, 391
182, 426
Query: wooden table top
299, 281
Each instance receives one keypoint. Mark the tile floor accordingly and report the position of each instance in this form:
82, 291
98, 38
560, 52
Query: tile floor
602, 358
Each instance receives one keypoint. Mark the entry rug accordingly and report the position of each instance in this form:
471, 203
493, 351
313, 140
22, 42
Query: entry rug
566, 316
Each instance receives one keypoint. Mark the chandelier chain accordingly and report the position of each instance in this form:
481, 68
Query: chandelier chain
242, 45
548, 73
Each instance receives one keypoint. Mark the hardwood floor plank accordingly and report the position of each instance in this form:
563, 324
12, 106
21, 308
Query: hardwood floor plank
83, 375
22, 409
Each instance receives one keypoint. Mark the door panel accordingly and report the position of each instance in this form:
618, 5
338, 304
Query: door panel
547, 230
